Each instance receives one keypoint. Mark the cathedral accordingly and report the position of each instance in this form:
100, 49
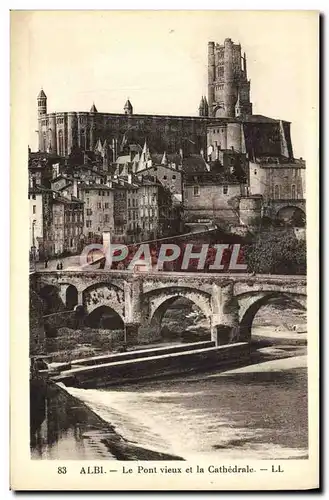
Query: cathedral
225, 120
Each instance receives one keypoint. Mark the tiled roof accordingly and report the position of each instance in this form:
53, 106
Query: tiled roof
123, 159
194, 163
96, 186
171, 158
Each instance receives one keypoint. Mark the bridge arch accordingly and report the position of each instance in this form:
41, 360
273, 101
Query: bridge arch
158, 302
292, 213
71, 297
252, 304
104, 317
104, 294
159, 313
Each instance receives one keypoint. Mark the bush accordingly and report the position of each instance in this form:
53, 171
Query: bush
276, 252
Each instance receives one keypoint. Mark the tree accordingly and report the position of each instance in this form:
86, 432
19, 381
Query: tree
276, 252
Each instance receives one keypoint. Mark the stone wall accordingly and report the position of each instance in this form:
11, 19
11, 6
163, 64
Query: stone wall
37, 332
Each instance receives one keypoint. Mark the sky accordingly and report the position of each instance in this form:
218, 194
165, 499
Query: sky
159, 60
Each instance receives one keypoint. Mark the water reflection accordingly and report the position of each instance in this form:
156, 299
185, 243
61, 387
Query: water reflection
63, 429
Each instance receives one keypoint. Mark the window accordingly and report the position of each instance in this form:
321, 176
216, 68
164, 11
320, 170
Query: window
99, 205
83, 140
88, 223
87, 191
276, 192
34, 209
106, 218
165, 177
89, 211
60, 143
255, 171
99, 193
293, 192
225, 189
100, 218
196, 191
106, 205
128, 202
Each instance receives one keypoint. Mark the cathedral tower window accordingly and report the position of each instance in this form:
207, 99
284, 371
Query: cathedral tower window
44, 140
293, 192
83, 144
60, 143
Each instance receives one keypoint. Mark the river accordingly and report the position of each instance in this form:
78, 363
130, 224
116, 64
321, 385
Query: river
255, 412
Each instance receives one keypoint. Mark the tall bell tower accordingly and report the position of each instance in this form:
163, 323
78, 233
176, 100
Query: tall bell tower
228, 85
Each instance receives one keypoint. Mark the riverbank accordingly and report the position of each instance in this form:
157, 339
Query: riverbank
70, 430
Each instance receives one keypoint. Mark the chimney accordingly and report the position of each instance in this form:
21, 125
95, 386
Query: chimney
129, 178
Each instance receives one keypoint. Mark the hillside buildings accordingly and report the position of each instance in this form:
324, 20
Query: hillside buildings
141, 177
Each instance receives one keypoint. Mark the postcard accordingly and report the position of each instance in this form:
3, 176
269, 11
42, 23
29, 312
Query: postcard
164, 301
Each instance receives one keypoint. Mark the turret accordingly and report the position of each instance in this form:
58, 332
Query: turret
93, 109
42, 103
42, 111
245, 65
229, 94
128, 109
206, 107
201, 107
211, 76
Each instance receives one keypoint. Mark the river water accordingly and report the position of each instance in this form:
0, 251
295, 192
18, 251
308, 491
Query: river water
256, 412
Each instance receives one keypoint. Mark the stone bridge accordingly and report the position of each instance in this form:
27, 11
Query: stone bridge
229, 301
283, 208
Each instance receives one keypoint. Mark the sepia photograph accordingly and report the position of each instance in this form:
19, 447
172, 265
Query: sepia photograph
166, 181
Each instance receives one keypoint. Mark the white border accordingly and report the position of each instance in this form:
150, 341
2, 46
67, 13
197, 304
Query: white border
4, 199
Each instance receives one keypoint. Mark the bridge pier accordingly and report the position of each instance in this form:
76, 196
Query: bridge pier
132, 294
80, 298
131, 333
225, 316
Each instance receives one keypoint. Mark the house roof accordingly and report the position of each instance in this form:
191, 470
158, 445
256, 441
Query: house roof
194, 163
